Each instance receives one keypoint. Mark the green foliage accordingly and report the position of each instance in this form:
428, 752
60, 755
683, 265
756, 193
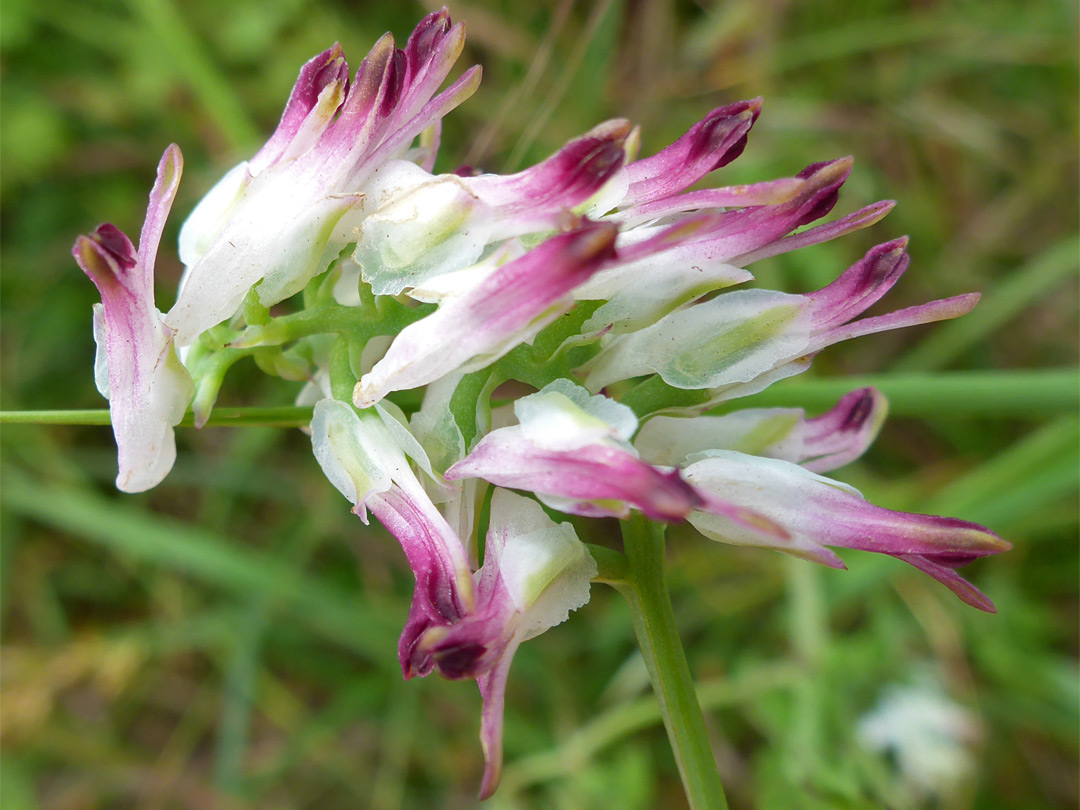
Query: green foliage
229, 639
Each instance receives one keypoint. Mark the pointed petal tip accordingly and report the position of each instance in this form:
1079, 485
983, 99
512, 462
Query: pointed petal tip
970, 595
331, 54
833, 169
383, 47
872, 214
827, 172
474, 74
891, 253
1000, 545
173, 155
615, 129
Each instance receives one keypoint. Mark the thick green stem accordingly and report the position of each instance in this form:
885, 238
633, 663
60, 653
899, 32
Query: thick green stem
654, 622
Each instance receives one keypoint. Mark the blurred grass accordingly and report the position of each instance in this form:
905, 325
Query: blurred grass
228, 639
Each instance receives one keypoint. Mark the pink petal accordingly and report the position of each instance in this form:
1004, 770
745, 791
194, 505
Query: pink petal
941, 310
771, 192
967, 592
566, 179
863, 218
324, 70
841, 435
711, 143
860, 286
493, 691
444, 588
149, 390
485, 319
583, 476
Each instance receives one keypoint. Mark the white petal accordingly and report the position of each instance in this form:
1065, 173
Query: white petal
422, 233
342, 447
101, 354
277, 235
772, 432
732, 338
563, 416
545, 568
211, 214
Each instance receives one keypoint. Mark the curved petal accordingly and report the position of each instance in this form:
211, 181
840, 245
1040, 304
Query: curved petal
711, 143
148, 387
823, 443
592, 480
818, 512
484, 322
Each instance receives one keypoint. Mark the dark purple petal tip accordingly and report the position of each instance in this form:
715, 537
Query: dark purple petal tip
106, 256
861, 285
724, 132
116, 243
825, 180
426, 37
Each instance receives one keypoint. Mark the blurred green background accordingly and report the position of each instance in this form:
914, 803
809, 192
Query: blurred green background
228, 640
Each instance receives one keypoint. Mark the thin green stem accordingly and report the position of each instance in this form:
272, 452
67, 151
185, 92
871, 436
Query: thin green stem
1031, 393
972, 393
281, 416
658, 637
1027, 393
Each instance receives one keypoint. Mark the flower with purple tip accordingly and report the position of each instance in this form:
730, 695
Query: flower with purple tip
137, 366
279, 219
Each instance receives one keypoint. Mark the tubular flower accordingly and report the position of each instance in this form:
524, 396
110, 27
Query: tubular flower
464, 625
767, 461
572, 450
593, 281
502, 307
823, 443
364, 456
817, 512
137, 368
731, 342
535, 573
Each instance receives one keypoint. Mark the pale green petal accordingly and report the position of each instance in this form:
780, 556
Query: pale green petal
563, 415
545, 568
732, 338
343, 449
772, 432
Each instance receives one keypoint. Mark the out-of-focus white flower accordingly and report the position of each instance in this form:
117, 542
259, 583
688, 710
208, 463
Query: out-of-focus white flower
929, 735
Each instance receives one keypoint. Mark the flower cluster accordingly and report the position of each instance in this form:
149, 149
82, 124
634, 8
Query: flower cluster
592, 279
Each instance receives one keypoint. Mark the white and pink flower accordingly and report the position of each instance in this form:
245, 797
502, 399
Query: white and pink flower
137, 367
